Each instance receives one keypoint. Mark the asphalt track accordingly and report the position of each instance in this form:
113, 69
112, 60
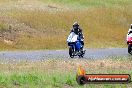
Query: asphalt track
63, 54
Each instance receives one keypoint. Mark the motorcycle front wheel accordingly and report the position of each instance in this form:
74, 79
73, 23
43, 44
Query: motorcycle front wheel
71, 52
82, 52
130, 49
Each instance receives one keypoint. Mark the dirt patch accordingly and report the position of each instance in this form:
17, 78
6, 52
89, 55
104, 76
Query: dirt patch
15, 30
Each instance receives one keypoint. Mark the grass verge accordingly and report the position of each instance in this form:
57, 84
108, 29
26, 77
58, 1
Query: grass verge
60, 73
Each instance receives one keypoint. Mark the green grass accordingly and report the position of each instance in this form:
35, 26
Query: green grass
79, 4
60, 73
33, 80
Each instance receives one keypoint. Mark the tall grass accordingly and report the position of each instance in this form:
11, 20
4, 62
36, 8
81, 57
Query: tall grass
104, 25
4, 46
3, 26
2, 1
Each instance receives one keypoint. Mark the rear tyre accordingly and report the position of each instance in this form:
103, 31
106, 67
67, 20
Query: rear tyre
130, 49
71, 52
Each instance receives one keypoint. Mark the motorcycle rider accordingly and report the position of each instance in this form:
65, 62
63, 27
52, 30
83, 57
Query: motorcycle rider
78, 31
129, 32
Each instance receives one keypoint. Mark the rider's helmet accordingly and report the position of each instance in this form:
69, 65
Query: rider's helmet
76, 27
130, 30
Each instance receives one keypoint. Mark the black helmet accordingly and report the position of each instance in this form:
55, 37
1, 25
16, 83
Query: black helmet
75, 25
76, 28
